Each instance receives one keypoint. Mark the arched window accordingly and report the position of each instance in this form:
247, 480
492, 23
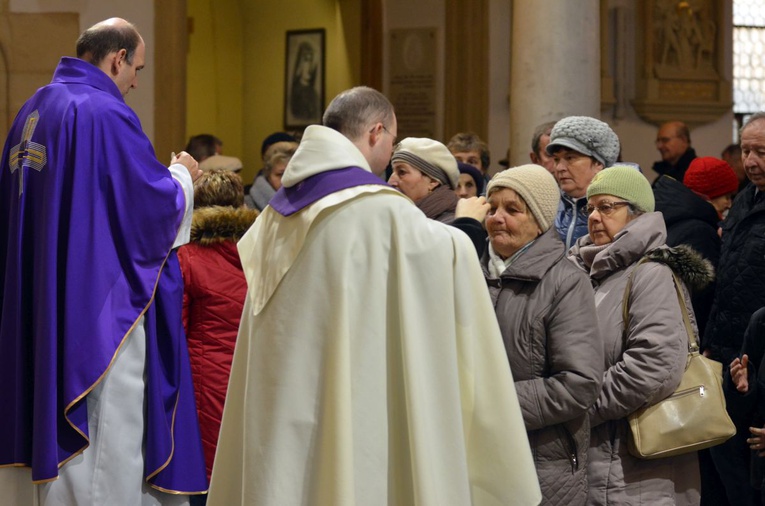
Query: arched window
748, 58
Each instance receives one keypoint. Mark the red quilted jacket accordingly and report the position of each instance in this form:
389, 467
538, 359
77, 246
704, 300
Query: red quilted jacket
214, 292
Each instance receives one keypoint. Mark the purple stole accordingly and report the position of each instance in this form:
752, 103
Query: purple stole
288, 201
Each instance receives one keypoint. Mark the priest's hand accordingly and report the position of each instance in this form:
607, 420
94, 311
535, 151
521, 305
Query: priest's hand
189, 162
474, 207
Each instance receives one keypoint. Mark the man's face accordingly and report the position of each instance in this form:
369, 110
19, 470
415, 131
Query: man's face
574, 171
127, 76
753, 153
670, 145
738, 165
382, 150
471, 158
542, 158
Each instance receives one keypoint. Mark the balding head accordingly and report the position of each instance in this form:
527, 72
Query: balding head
366, 117
672, 140
107, 37
115, 47
354, 110
680, 129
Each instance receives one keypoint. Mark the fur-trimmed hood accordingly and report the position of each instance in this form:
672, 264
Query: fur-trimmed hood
214, 224
687, 263
644, 236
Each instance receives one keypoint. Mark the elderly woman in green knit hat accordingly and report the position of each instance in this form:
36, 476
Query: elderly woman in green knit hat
546, 312
645, 361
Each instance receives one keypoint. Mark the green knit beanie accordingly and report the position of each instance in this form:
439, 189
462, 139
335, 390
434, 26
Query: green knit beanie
626, 183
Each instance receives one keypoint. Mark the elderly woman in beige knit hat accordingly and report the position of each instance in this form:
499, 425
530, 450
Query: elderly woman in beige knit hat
546, 312
426, 172
645, 361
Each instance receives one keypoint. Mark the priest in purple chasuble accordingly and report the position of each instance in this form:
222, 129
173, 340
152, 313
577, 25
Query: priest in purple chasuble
97, 399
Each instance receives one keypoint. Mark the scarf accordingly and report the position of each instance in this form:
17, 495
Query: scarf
439, 201
589, 252
261, 192
497, 265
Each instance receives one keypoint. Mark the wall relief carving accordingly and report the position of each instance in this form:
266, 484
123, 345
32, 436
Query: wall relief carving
680, 61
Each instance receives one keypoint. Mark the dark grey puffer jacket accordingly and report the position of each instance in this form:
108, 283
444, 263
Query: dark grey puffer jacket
546, 312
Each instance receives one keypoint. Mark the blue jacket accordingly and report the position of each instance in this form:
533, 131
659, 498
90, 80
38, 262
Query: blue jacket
570, 229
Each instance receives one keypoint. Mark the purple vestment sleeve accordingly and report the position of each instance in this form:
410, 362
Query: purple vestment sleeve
167, 465
87, 218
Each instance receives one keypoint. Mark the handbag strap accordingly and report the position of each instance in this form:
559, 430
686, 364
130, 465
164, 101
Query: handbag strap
693, 344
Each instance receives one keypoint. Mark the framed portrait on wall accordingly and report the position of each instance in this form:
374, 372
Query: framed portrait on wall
304, 78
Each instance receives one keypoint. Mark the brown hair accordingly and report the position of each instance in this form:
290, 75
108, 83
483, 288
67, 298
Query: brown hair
218, 187
468, 141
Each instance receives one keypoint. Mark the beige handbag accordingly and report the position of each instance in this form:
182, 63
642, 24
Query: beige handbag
694, 416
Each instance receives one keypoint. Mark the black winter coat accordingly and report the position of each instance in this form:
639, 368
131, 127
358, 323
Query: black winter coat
748, 410
740, 277
676, 171
693, 221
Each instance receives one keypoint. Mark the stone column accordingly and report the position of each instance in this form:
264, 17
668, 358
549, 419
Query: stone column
555, 66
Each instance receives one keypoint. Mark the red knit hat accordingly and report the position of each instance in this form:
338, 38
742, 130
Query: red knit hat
711, 177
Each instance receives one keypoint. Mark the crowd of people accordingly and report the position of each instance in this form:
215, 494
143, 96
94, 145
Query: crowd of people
371, 320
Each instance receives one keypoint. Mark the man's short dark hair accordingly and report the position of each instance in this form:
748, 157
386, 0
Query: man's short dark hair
683, 132
355, 110
98, 41
203, 146
732, 150
539, 132
469, 141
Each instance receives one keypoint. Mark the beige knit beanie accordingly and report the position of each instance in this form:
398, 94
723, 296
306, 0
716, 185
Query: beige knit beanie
536, 186
626, 183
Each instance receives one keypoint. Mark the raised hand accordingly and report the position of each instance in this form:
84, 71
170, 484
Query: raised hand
739, 373
474, 207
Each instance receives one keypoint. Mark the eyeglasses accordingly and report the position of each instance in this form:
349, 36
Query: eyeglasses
605, 208
388, 131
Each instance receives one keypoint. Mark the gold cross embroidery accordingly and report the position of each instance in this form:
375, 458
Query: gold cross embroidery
27, 153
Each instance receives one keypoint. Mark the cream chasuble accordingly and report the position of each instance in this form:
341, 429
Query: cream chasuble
369, 368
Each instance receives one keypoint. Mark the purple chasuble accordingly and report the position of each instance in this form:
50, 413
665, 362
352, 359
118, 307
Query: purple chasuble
288, 201
88, 216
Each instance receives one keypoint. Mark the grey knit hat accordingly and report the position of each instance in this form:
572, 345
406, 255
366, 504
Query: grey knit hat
585, 135
429, 156
536, 186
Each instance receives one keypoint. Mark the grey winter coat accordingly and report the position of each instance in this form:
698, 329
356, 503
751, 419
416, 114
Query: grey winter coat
645, 370
546, 312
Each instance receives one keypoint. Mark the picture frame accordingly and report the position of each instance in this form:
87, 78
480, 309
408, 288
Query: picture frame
304, 78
